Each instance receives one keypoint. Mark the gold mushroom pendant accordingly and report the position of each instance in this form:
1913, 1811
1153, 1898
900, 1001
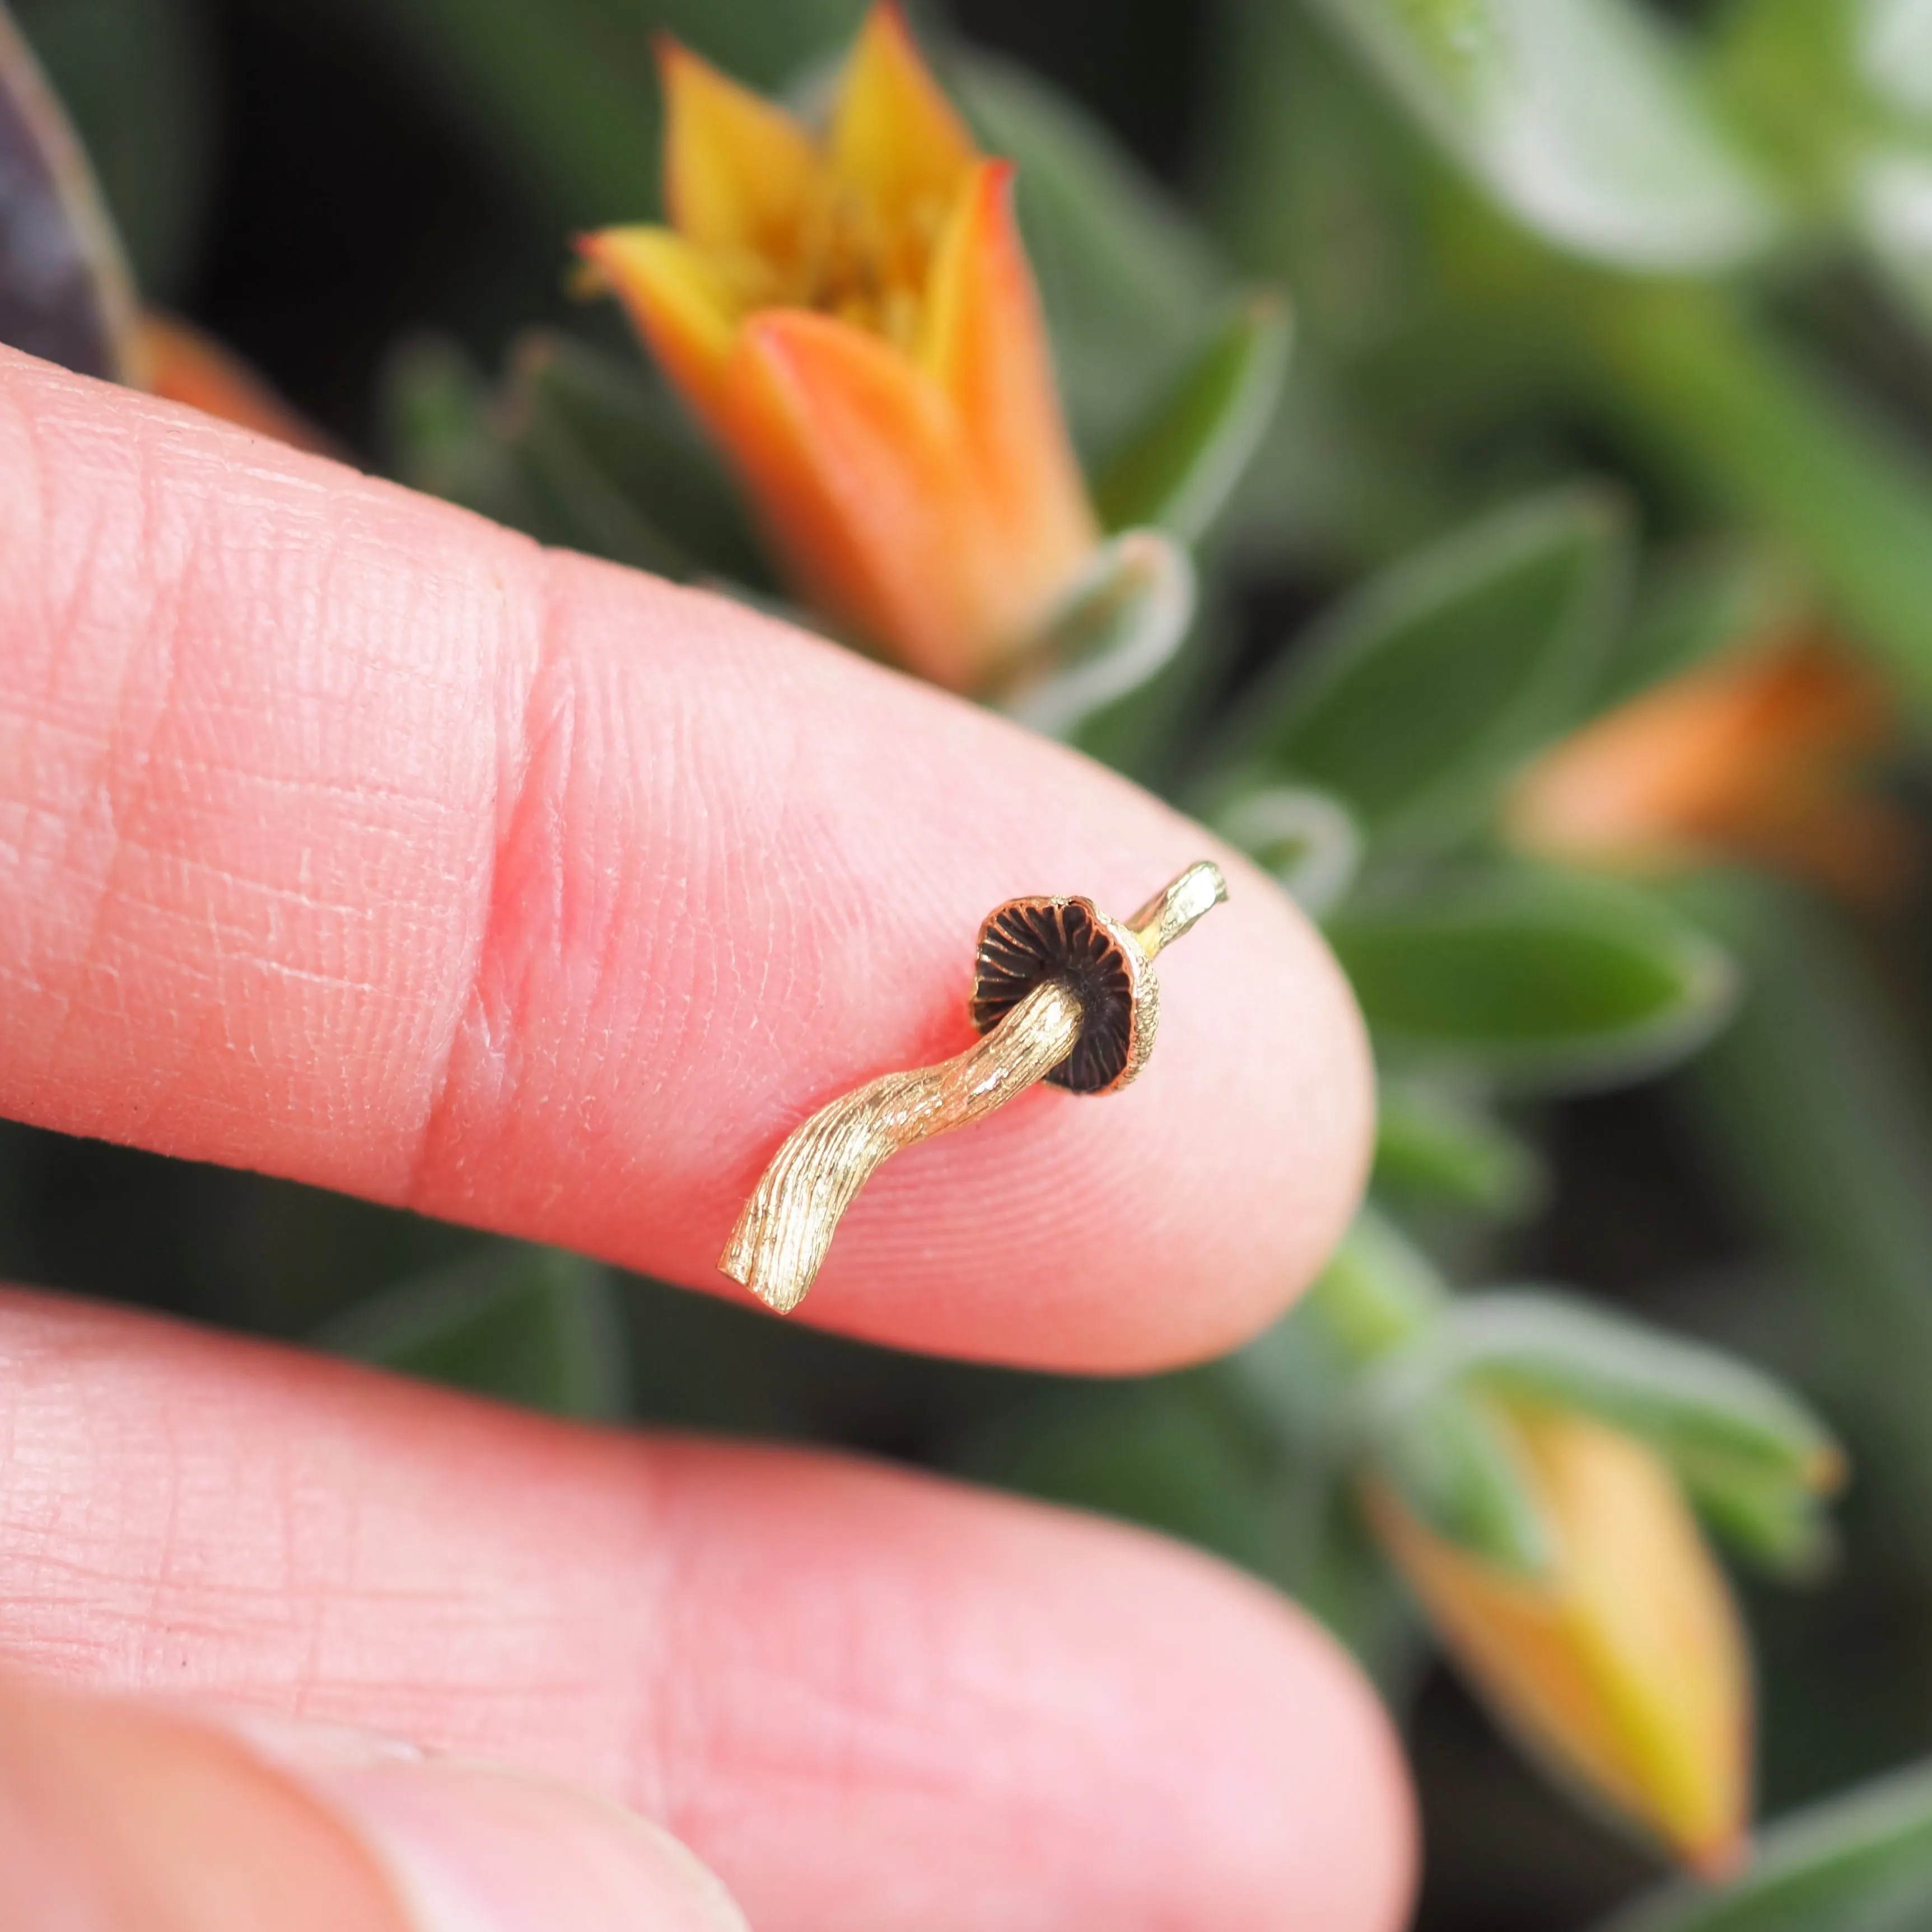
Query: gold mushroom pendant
1061, 992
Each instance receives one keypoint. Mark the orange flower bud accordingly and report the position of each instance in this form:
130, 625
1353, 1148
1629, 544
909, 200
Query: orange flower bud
1754, 756
852, 316
1624, 1665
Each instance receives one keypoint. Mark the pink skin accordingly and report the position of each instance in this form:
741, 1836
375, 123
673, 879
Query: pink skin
867, 1700
345, 836
348, 838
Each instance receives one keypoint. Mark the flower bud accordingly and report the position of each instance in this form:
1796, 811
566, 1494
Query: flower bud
1622, 1665
1754, 756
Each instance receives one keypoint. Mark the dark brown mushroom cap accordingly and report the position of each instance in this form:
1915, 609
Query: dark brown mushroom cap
1028, 941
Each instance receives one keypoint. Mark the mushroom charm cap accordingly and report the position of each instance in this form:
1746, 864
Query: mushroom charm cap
1030, 942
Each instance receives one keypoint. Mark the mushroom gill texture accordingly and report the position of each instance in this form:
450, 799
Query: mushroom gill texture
1030, 942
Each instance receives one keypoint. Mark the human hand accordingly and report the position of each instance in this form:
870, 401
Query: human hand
344, 836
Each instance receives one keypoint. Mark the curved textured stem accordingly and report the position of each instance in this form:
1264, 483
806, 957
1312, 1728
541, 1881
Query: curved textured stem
787, 1225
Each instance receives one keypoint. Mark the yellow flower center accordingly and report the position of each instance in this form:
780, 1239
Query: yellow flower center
845, 255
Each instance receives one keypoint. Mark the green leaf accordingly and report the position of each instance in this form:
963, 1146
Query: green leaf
1319, 1386
563, 97
579, 449
1783, 1529
1115, 630
65, 293
1453, 1471
1692, 607
1773, 435
1178, 470
575, 503
1418, 698
437, 425
528, 1325
1436, 1143
1857, 1863
1307, 841
1378, 1291
1709, 1415
1581, 118
763, 45
1295, 1382
616, 455
563, 102
1129, 285
1540, 978
1312, 177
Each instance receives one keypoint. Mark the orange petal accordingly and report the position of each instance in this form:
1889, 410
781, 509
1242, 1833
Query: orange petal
855, 459
676, 299
179, 362
895, 136
986, 343
738, 171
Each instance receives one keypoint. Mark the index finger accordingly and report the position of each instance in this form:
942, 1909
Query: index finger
346, 836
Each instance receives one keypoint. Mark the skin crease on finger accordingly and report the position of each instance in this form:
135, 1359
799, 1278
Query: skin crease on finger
346, 836
867, 1700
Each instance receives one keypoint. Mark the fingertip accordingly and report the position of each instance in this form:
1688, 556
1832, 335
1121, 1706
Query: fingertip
1058, 1708
116, 1815
1296, 1808
1356, 1847
126, 1816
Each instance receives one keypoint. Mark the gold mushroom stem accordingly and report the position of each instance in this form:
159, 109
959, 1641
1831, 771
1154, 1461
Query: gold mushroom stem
1179, 906
788, 1223
785, 1229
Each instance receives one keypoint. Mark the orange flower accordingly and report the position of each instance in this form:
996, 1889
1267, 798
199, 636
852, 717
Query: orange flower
1754, 756
852, 316
1624, 1665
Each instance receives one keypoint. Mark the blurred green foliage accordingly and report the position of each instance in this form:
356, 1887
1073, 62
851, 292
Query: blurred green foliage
1612, 350
1863, 1863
